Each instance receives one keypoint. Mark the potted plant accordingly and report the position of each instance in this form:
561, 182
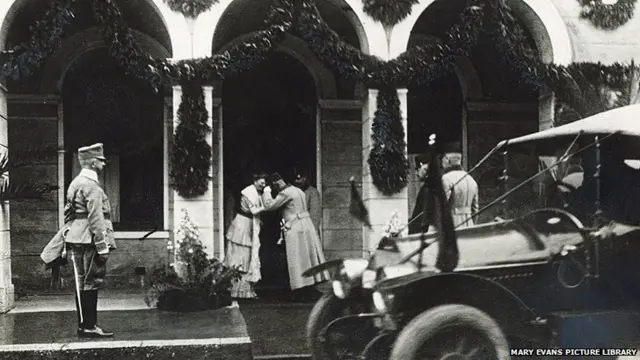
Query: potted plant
192, 282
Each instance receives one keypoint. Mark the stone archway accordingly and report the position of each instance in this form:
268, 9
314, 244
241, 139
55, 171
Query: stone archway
39, 114
337, 113
541, 18
172, 21
487, 102
368, 31
84, 41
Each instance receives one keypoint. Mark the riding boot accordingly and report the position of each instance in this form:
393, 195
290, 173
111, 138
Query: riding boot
79, 311
91, 329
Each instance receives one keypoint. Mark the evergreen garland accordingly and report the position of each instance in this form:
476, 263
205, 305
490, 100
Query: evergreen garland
191, 154
418, 66
27, 57
607, 16
387, 159
388, 12
190, 8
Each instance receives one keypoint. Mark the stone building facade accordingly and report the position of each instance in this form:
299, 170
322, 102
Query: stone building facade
69, 93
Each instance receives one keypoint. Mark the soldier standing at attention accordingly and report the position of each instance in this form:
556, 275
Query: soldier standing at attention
90, 238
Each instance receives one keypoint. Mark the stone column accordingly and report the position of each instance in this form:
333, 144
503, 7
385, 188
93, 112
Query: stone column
380, 206
200, 208
546, 104
6, 287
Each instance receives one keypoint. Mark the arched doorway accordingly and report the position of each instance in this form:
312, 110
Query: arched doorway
97, 103
269, 125
308, 113
481, 102
101, 104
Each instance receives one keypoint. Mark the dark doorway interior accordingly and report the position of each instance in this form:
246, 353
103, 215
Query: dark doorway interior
269, 117
434, 109
101, 104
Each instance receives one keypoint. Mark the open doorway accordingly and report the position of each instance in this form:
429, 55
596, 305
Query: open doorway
437, 109
269, 115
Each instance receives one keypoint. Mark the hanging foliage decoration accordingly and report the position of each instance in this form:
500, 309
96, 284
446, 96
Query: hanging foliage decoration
191, 154
388, 158
388, 12
190, 8
418, 66
607, 16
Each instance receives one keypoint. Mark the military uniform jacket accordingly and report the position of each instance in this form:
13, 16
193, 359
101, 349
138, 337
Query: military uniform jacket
463, 198
93, 213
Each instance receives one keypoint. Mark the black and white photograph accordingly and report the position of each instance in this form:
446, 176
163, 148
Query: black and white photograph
319, 179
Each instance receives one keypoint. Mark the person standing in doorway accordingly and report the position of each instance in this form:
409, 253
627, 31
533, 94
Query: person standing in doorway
300, 236
421, 216
314, 206
90, 238
243, 239
461, 189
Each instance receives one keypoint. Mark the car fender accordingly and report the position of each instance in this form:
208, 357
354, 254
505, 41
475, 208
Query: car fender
413, 296
329, 265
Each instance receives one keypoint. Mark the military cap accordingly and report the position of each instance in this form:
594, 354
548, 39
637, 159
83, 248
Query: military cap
95, 151
452, 147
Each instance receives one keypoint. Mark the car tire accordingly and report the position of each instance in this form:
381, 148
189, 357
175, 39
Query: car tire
432, 322
323, 312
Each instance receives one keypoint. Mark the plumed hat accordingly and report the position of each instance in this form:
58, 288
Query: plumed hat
95, 151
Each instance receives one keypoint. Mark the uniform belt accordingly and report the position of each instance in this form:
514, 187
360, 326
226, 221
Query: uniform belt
247, 215
107, 216
302, 215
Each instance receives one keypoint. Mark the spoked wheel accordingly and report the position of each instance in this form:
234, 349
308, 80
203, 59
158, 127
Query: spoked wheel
345, 340
451, 332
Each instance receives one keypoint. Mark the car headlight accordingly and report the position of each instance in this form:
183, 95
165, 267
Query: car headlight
353, 268
350, 270
381, 301
395, 271
368, 279
338, 289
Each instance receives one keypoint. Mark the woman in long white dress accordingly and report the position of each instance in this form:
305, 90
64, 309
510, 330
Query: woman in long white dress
243, 239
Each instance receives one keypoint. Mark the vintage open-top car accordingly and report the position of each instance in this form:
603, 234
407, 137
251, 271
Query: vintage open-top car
566, 276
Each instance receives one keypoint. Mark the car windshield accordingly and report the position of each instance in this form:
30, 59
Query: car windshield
572, 183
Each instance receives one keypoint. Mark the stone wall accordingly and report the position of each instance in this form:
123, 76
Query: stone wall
6, 286
33, 122
592, 44
341, 134
218, 211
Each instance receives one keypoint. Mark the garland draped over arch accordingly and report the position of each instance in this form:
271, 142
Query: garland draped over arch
418, 66
607, 16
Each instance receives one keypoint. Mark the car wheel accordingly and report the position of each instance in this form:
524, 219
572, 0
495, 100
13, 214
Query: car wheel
327, 309
451, 332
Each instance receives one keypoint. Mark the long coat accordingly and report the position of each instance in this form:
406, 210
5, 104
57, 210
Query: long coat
303, 246
463, 198
314, 206
93, 213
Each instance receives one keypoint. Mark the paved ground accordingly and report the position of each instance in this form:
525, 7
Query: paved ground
43, 327
274, 325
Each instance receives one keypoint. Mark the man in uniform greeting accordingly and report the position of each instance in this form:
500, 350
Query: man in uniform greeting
90, 238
